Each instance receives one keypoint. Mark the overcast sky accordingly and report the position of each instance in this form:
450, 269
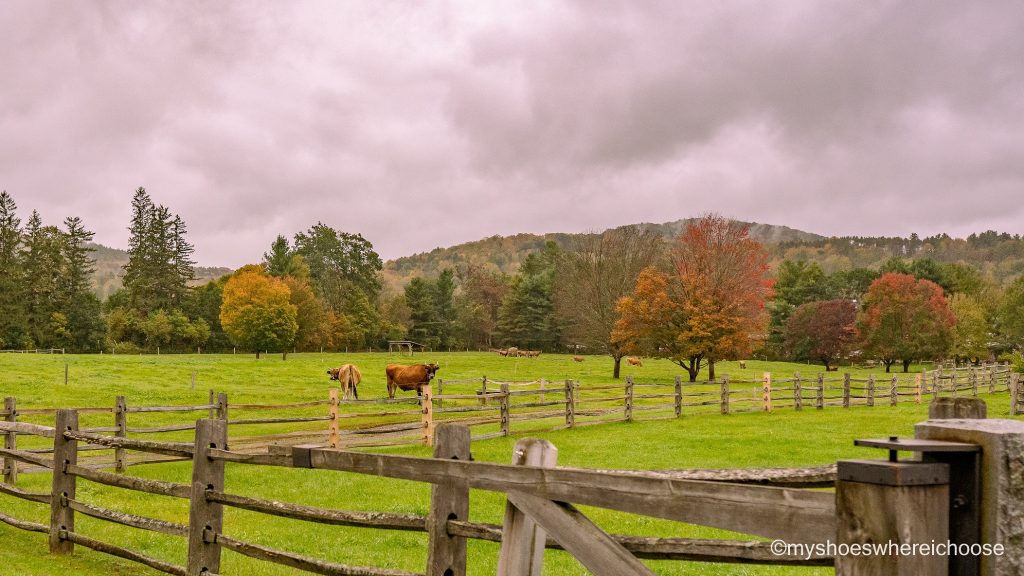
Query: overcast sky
425, 124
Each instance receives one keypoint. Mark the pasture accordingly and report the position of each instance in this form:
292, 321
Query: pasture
781, 438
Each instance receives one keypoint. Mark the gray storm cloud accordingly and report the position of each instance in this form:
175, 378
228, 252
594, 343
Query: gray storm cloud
423, 125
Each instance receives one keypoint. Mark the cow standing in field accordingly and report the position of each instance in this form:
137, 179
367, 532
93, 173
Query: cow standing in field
634, 361
414, 377
577, 358
348, 377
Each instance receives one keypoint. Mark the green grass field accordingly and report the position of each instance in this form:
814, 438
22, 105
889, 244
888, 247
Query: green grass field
780, 438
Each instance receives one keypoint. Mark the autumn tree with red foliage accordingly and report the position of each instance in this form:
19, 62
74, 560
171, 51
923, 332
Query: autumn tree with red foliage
823, 331
905, 319
711, 306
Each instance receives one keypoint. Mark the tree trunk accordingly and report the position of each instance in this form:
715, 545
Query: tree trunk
618, 362
888, 364
827, 364
711, 370
693, 368
257, 354
284, 355
906, 366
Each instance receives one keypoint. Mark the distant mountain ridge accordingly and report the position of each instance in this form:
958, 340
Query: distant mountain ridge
505, 253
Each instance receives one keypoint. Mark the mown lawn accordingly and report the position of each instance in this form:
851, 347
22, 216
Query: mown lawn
780, 438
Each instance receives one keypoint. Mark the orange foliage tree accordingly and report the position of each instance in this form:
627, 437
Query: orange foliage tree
257, 313
710, 306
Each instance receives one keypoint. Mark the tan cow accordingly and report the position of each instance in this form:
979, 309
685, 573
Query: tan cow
348, 377
577, 358
634, 361
414, 377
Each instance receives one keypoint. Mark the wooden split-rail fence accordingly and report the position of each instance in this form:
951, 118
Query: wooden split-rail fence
541, 504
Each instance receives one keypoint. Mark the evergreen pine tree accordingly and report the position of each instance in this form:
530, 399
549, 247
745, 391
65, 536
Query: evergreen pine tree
12, 312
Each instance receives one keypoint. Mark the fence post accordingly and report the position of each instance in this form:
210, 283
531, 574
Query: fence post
917, 389
871, 390
991, 380
427, 414
522, 543
893, 392
333, 438
846, 390
222, 406
974, 381
952, 382
483, 390
65, 452
503, 409
121, 423
1015, 394
440, 391
679, 395
10, 440
205, 518
798, 395
570, 405
766, 392
628, 399
724, 392
819, 402
213, 406
448, 501
886, 502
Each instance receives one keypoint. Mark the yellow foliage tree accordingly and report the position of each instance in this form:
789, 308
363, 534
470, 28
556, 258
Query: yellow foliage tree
257, 313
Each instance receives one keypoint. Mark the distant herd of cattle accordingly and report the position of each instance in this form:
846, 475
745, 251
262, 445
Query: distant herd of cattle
415, 376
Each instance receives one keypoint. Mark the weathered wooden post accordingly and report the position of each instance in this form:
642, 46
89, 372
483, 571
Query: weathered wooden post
522, 542
871, 390
65, 453
917, 388
483, 390
10, 440
1016, 400
952, 382
991, 372
846, 390
212, 403
222, 406
893, 392
427, 414
798, 395
503, 409
974, 381
205, 518
334, 438
891, 503
440, 392
121, 423
994, 502
678, 399
65, 373
448, 501
570, 405
819, 401
628, 399
766, 392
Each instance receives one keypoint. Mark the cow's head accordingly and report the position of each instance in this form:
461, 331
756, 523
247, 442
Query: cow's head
333, 373
431, 368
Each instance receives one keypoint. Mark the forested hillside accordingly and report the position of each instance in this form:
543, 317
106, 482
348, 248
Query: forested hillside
110, 268
504, 254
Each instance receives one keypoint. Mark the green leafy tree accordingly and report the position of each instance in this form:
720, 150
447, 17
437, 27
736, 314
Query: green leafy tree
971, 332
422, 314
257, 313
1011, 314
797, 282
444, 307
823, 331
338, 261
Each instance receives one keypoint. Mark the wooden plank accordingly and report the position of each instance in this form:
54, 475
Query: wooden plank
141, 522
522, 545
207, 473
158, 487
595, 549
383, 520
10, 440
24, 524
65, 454
800, 515
28, 457
448, 501
181, 449
301, 562
30, 496
120, 552
26, 428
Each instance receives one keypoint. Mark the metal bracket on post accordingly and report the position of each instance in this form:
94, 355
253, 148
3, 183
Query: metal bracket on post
964, 461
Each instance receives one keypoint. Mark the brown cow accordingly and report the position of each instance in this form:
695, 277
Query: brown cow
348, 377
634, 361
402, 377
577, 358
743, 364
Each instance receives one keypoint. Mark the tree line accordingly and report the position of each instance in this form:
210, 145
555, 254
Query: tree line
704, 296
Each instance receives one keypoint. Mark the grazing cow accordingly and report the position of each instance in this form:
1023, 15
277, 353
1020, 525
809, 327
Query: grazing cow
348, 377
402, 377
512, 352
577, 358
634, 361
743, 364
